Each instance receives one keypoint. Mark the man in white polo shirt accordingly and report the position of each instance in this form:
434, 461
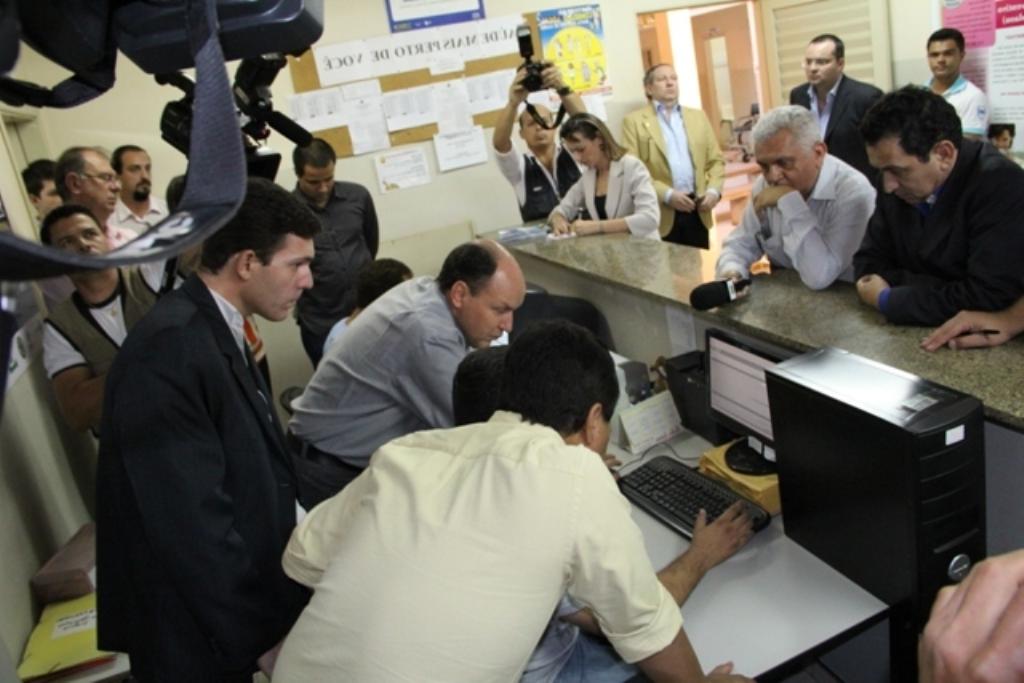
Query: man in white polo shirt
945, 54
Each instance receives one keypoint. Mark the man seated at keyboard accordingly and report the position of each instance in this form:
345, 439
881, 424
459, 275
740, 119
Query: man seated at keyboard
573, 648
446, 558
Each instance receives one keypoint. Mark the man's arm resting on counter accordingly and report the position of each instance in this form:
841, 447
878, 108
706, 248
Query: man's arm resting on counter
978, 329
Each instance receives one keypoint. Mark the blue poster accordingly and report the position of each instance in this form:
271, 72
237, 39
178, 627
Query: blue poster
407, 15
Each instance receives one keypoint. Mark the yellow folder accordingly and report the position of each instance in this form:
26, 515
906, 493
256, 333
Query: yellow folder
762, 489
64, 639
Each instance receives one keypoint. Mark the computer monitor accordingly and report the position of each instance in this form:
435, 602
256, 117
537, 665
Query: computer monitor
738, 400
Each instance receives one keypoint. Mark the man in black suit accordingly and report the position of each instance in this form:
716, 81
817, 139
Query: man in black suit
839, 102
196, 492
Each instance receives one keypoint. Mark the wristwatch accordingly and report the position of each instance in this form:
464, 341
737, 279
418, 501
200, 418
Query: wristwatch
564, 90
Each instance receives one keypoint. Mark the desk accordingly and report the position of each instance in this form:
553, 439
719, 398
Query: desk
743, 610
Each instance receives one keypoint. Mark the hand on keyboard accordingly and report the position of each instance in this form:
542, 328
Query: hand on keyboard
675, 494
714, 543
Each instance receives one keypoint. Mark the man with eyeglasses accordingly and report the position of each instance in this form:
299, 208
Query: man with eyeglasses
82, 335
84, 176
347, 240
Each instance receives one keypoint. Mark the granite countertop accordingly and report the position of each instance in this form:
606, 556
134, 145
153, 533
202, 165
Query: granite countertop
781, 310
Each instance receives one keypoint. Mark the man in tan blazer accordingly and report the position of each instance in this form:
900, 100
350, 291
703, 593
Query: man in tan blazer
679, 148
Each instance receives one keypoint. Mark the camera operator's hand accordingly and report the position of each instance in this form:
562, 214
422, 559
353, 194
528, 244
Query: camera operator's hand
552, 76
516, 92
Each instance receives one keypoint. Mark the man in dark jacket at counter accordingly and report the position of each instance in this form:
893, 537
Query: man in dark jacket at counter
945, 235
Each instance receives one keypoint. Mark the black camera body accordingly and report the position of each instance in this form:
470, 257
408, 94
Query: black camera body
533, 81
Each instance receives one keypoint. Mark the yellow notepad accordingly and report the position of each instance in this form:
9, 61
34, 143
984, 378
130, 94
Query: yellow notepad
763, 489
64, 638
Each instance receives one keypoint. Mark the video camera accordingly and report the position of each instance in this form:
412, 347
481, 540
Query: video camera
84, 36
256, 113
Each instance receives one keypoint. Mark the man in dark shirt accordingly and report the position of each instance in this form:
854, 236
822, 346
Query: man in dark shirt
348, 239
946, 232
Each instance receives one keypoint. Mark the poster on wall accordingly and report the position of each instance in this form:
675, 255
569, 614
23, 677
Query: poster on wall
573, 38
994, 33
359, 60
406, 15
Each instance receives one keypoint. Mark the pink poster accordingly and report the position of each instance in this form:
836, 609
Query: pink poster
976, 19
1005, 86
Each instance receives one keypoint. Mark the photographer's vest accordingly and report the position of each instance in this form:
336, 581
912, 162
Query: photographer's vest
540, 195
73, 319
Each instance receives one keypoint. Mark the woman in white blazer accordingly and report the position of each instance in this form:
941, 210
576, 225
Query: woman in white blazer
615, 187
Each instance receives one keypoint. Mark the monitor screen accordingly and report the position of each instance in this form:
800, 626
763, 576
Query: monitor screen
738, 394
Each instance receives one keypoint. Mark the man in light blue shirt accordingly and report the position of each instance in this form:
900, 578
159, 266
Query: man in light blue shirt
391, 373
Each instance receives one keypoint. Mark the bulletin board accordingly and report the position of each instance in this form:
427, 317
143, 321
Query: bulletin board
305, 78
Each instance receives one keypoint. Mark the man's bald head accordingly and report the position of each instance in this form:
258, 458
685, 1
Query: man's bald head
483, 285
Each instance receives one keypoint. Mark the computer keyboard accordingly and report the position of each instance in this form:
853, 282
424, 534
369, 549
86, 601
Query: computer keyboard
674, 494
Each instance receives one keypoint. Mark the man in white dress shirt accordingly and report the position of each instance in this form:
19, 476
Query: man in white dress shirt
809, 210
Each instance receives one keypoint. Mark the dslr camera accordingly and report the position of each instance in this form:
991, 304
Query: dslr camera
533, 81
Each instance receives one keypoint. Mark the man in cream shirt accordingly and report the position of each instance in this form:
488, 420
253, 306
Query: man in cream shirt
447, 558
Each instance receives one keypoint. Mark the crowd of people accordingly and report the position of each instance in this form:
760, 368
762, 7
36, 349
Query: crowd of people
444, 506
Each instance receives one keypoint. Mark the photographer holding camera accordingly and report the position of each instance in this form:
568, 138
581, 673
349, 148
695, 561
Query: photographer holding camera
542, 175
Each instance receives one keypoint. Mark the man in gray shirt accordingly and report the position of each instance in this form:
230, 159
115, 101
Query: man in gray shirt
391, 374
348, 240
809, 210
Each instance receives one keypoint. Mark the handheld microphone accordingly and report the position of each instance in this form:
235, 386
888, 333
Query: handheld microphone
713, 294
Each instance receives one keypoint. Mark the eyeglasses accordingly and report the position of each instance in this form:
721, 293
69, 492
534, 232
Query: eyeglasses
105, 178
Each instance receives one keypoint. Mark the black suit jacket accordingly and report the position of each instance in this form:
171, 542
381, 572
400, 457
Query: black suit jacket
843, 137
196, 501
964, 254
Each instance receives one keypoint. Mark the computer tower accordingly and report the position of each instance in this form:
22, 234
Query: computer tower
882, 476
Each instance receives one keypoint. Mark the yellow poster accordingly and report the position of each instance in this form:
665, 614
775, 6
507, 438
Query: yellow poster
573, 38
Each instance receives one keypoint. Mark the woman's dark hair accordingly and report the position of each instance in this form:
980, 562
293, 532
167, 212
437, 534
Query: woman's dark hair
592, 128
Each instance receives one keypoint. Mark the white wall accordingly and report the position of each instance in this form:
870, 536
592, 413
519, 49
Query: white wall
910, 25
